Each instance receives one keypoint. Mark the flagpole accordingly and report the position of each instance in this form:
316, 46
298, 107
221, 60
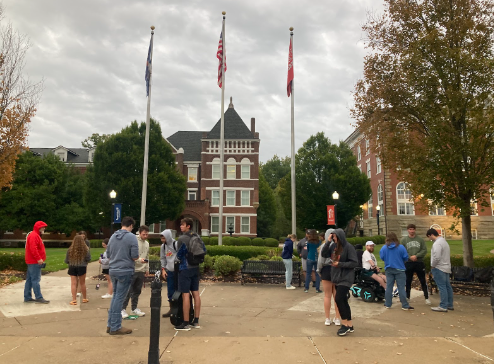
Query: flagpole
222, 133
294, 212
146, 145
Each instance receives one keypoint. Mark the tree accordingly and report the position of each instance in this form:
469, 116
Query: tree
44, 189
118, 164
320, 169
427, 96
275, 169
95, 139
18, 99
266, 213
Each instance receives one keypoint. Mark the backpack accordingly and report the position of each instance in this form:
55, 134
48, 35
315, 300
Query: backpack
196, 250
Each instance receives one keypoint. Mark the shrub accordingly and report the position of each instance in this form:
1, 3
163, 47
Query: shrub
276, 258
271, 242
258, 242
208, 262
244, 241
242, 252
10, 260
226, 265
378, 240
205, 239
263, 257
154, 241
228, 240
296, 258
483, 261
154, 250
213, 240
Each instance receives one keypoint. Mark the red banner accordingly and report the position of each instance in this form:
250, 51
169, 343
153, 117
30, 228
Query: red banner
331, 215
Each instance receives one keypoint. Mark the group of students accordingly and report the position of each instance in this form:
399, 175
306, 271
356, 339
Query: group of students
337, 259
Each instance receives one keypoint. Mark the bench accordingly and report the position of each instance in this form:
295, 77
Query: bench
472, 283
260, 269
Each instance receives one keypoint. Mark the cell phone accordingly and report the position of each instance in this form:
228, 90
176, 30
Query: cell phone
43, 265
146, 260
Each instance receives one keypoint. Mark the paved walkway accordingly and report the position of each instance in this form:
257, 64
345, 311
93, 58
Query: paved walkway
243, 324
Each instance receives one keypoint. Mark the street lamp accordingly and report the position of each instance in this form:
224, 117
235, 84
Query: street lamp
336, 196
113, 195
378, 208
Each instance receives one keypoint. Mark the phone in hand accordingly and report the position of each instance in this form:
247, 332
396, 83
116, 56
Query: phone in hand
146, 260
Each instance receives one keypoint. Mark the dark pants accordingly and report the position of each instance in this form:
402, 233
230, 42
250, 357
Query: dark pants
134, 290
341, 300
419, 268
170, 283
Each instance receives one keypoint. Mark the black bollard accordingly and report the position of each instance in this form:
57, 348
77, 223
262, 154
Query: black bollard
154, 337
492, 296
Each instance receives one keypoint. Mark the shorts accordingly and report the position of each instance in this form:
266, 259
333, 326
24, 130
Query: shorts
304, 265
326, 273
77, 271
105, 271
188, 280
367, 273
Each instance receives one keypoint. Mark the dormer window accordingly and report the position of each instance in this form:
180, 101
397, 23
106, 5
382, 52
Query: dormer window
91, 156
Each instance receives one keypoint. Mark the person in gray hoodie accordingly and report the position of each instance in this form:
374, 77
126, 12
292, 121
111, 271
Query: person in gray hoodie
344, 258
122, 251
168, 254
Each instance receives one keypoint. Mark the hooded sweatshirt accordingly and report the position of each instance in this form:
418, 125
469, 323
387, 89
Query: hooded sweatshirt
344, 273
440, 255
302, 248
122, 250
168, 251
394, 256
143, 254
35, 249
321, 262
287, 252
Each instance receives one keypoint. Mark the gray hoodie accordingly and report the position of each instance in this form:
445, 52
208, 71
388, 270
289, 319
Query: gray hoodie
122, 251
321, 262
168, 251
440, 255
143, 254
344, 273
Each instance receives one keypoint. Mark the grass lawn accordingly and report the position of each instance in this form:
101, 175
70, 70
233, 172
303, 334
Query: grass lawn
56, 256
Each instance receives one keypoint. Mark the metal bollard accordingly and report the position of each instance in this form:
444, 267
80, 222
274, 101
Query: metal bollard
492, 296
154, 337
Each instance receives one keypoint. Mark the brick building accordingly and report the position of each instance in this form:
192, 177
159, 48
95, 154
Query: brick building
197, 156
397, 205
78, 157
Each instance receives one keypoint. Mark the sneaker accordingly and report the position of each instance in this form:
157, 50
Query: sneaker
318, 291
343, 330
351, 329
107, 329
183, 327
327, 322
337, 321
451, 308
428, 302
124, 314
306, 291
439, 309
137, 312
41, 300
387, 306
396, 293
291, 287
121, 331
409, 308
30, 300
167, 314
195, 325
107, 296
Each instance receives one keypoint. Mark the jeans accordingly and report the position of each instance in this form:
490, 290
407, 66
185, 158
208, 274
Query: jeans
392, 275
121, 284
444, 286
288, 271
312, 265
134, 290
33, 278
170, 284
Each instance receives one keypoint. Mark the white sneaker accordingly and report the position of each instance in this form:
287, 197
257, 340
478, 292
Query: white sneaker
337, 321
428, 302
137, 312
107, 296
291, 287
124, 314
327, 322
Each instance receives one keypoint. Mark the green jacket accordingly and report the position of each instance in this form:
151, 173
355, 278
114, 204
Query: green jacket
415, 246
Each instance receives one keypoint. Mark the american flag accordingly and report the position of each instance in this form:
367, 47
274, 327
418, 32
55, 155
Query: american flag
149, 67
290, 70
219, 55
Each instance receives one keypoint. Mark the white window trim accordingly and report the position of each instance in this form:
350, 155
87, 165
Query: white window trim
189, 175
404, 200
234, 198
367, 147
226, 223
212, 198
226, 174
242, 225
242, 172
242, 200
378, 165
380, 203
212, 171
213, 231
232, 188
359, 153
368, 168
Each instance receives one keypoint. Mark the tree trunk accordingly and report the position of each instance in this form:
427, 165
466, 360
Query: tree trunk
466, 227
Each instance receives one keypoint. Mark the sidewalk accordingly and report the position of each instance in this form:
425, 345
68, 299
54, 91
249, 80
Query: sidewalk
245, 324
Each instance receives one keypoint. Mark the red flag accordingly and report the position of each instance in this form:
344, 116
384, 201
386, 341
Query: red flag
219, 55
331, 215
290, 70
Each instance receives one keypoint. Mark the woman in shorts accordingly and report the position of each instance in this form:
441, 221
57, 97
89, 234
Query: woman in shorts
324, 269
77, 257
105, 268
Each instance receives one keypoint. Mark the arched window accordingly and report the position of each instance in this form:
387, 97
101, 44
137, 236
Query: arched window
245, 168
231, 168
215, 165
369, 208
380, 199
404, 199
359, 153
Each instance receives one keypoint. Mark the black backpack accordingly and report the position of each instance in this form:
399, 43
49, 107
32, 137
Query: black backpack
196, 250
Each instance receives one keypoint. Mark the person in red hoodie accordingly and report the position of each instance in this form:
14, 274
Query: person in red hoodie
35, 257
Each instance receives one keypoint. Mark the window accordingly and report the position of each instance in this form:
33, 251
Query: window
404, 232
215, 197
231, 172
91, 156
61, 155
245, 198
230, 221
492, 201
215, 224
380, 199
367, 147
359, 153
192, 195
216, 171
192, 174
162, 225
370, 232
245, 224
473, 208
359, 168
368, 169
230, 198
151, 228
246, 171
378, 165
369, 208
436, 210
405, 207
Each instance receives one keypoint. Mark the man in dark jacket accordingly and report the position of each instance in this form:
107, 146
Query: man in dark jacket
35, 257
287, 255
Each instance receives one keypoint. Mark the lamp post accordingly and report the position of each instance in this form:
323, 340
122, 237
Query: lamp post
113, 195
378, 208
336, 196
230, 229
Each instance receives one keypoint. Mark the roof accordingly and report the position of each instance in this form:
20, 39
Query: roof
190, 141
74, 155
235, 128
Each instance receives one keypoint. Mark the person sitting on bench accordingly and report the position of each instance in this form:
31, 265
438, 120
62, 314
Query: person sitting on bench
369, 263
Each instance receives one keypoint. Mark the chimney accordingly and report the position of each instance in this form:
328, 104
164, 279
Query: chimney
253, 125
231, 103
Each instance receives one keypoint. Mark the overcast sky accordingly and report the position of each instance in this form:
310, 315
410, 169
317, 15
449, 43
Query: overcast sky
92, 56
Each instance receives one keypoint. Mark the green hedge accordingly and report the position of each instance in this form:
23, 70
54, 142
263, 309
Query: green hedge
483, 261
242, 252
95, 243
378, 240
241, 241
14, 261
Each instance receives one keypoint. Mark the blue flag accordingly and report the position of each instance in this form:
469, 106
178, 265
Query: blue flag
149, 61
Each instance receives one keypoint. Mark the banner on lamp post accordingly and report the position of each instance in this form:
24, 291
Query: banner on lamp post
331, 215
117, 213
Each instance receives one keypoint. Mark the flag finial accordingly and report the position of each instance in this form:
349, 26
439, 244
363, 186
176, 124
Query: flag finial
291, 29
152, 27
223, 12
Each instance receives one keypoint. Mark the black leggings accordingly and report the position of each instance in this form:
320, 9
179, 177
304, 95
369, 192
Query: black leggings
341, 300
419, 268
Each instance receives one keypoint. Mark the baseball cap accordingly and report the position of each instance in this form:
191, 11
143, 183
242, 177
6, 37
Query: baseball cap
369, 243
